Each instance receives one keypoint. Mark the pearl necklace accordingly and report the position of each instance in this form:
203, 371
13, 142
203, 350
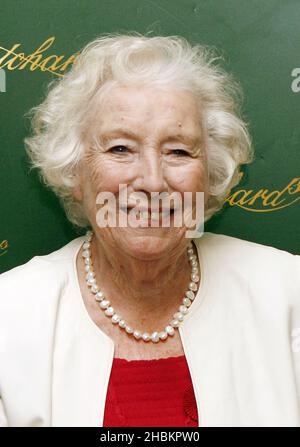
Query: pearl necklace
116, 319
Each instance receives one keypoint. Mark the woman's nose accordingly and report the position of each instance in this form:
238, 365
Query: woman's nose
151, 174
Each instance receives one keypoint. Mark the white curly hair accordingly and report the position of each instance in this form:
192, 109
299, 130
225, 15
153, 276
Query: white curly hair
56, 145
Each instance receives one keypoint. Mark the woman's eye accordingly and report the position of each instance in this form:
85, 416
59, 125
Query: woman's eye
118, 149
179, 152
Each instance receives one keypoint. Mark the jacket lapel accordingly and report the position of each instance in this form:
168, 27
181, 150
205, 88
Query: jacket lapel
82, 359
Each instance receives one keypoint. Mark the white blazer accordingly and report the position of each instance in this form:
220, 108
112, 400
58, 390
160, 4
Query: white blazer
241, 339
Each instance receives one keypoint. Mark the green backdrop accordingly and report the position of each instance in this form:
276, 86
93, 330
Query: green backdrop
260, 42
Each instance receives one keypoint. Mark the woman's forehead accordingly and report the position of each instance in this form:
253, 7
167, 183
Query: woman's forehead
145, 107
148, 99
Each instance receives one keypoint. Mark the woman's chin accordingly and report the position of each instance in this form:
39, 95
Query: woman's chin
147, 247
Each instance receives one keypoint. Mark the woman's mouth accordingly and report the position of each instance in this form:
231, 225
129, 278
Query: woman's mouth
148, 215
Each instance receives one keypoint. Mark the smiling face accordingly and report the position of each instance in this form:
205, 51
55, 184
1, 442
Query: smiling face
151, 140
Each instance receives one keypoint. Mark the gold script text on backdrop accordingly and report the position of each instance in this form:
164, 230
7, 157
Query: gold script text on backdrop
3, 247
265, 200
261, 201
13, 60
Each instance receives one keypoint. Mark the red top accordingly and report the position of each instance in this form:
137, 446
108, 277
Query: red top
150, 393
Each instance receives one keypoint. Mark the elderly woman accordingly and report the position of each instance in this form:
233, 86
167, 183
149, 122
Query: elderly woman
141, 325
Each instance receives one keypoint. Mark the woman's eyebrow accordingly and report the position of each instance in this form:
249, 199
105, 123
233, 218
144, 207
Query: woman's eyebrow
126, 133
118, 133
188, 139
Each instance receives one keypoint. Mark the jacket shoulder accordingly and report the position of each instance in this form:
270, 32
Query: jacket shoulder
222, 244
253, 263
36, 277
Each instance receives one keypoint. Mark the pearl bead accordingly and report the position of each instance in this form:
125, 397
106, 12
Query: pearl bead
178, 316
195, 277
104, 304
146, 336
195, 270
90, 275
87, 268
109, 311
194, 263
88, 261
190, 294
115, 318
174, 323
183, 309
94, 288
192, 286
86, 253
128, 329
187, 302
86, 245
91, 281
155, 337
163, 335
99, 296
137, 334
169, 330
122, 324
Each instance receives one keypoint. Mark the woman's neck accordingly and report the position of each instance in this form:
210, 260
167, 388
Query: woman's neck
142, 287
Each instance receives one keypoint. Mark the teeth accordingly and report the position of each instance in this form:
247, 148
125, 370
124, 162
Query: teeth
154, 215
